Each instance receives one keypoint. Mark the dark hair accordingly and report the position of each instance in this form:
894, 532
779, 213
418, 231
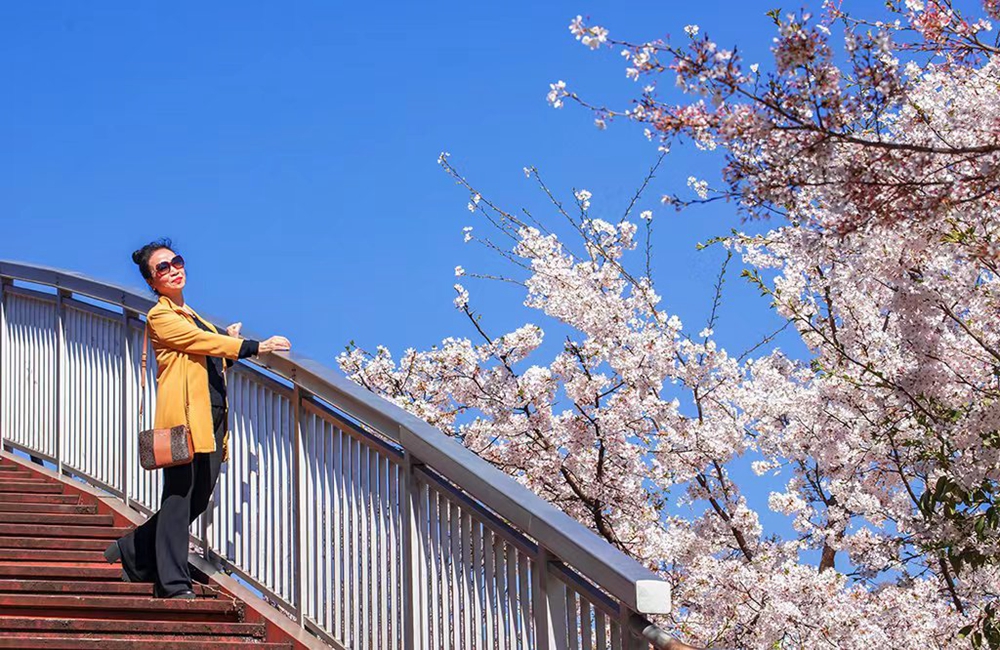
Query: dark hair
141, 257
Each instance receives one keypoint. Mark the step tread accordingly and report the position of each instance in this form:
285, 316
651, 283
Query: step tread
117, 602
93, 587
49, 508
51, 570
49, 555
63, 530
14, 497
68, 624
56, 518
53, 543
161, 642
29, 486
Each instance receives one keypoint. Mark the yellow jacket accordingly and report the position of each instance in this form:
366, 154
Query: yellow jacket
181, 348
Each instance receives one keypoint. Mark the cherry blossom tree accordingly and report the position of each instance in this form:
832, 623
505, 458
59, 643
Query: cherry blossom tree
873, 146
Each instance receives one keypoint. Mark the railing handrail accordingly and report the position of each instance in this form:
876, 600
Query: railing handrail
565, 538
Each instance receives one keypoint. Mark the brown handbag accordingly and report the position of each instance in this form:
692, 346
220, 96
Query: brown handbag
159, 448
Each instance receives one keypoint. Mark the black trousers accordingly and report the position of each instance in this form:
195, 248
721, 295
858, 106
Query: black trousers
157, 551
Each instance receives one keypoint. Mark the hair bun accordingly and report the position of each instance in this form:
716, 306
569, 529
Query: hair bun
137, 256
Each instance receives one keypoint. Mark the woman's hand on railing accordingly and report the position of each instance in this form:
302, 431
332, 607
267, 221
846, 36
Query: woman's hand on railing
274, 344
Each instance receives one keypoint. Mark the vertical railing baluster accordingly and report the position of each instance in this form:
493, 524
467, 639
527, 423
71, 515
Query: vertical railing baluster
457, 574
549, 604
339, 508
572, 625
524, 602
407, 510
353, 505
468, 582
126, 355
479, 588
364, 639
61, 295
557, 592
586, 625
512, 631
413, 586
433, 567
490, 604
309, 511
298, 486
600, 628
539, 597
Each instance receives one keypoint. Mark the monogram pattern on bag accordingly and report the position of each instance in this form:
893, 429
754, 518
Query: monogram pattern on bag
179, 449
147, 457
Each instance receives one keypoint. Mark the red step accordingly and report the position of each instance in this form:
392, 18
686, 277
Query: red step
105, 626
88, 571
120, 607
18, 476
30, 486
12, 468
24, 530
68, 508
57, 590
48, 555
12, 497
54, 543
24, 477
162, 642
66, 519
138, 589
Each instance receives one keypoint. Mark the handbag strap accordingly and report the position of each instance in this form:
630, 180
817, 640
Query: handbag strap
142, 381
142, 372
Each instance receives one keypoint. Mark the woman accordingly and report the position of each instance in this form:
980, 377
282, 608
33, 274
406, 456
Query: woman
191, 354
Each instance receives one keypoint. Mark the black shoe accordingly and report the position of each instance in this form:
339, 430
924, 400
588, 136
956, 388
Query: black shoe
113, 553
183, 594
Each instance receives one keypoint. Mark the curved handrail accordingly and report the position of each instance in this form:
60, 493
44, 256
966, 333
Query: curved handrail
562, 537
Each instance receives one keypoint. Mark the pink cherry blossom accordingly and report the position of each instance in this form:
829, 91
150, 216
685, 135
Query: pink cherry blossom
873, 146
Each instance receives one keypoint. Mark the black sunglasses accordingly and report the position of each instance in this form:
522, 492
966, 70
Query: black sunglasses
163, 267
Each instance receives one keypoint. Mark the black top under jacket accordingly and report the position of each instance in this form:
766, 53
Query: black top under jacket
216, 383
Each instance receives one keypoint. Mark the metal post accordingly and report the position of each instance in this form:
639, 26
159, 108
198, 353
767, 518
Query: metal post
4, 354
410, 553
61, 294
631, 638
549, 604
298, 496
204, 524
207, 518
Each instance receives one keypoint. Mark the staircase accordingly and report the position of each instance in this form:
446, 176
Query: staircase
57, 590
342, 520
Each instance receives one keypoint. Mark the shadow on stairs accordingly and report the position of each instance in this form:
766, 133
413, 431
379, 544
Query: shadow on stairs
57, 590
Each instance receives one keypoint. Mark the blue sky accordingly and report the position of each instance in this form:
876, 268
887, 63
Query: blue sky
290, 152
289, 149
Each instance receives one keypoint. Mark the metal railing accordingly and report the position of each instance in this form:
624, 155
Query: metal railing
369, 526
